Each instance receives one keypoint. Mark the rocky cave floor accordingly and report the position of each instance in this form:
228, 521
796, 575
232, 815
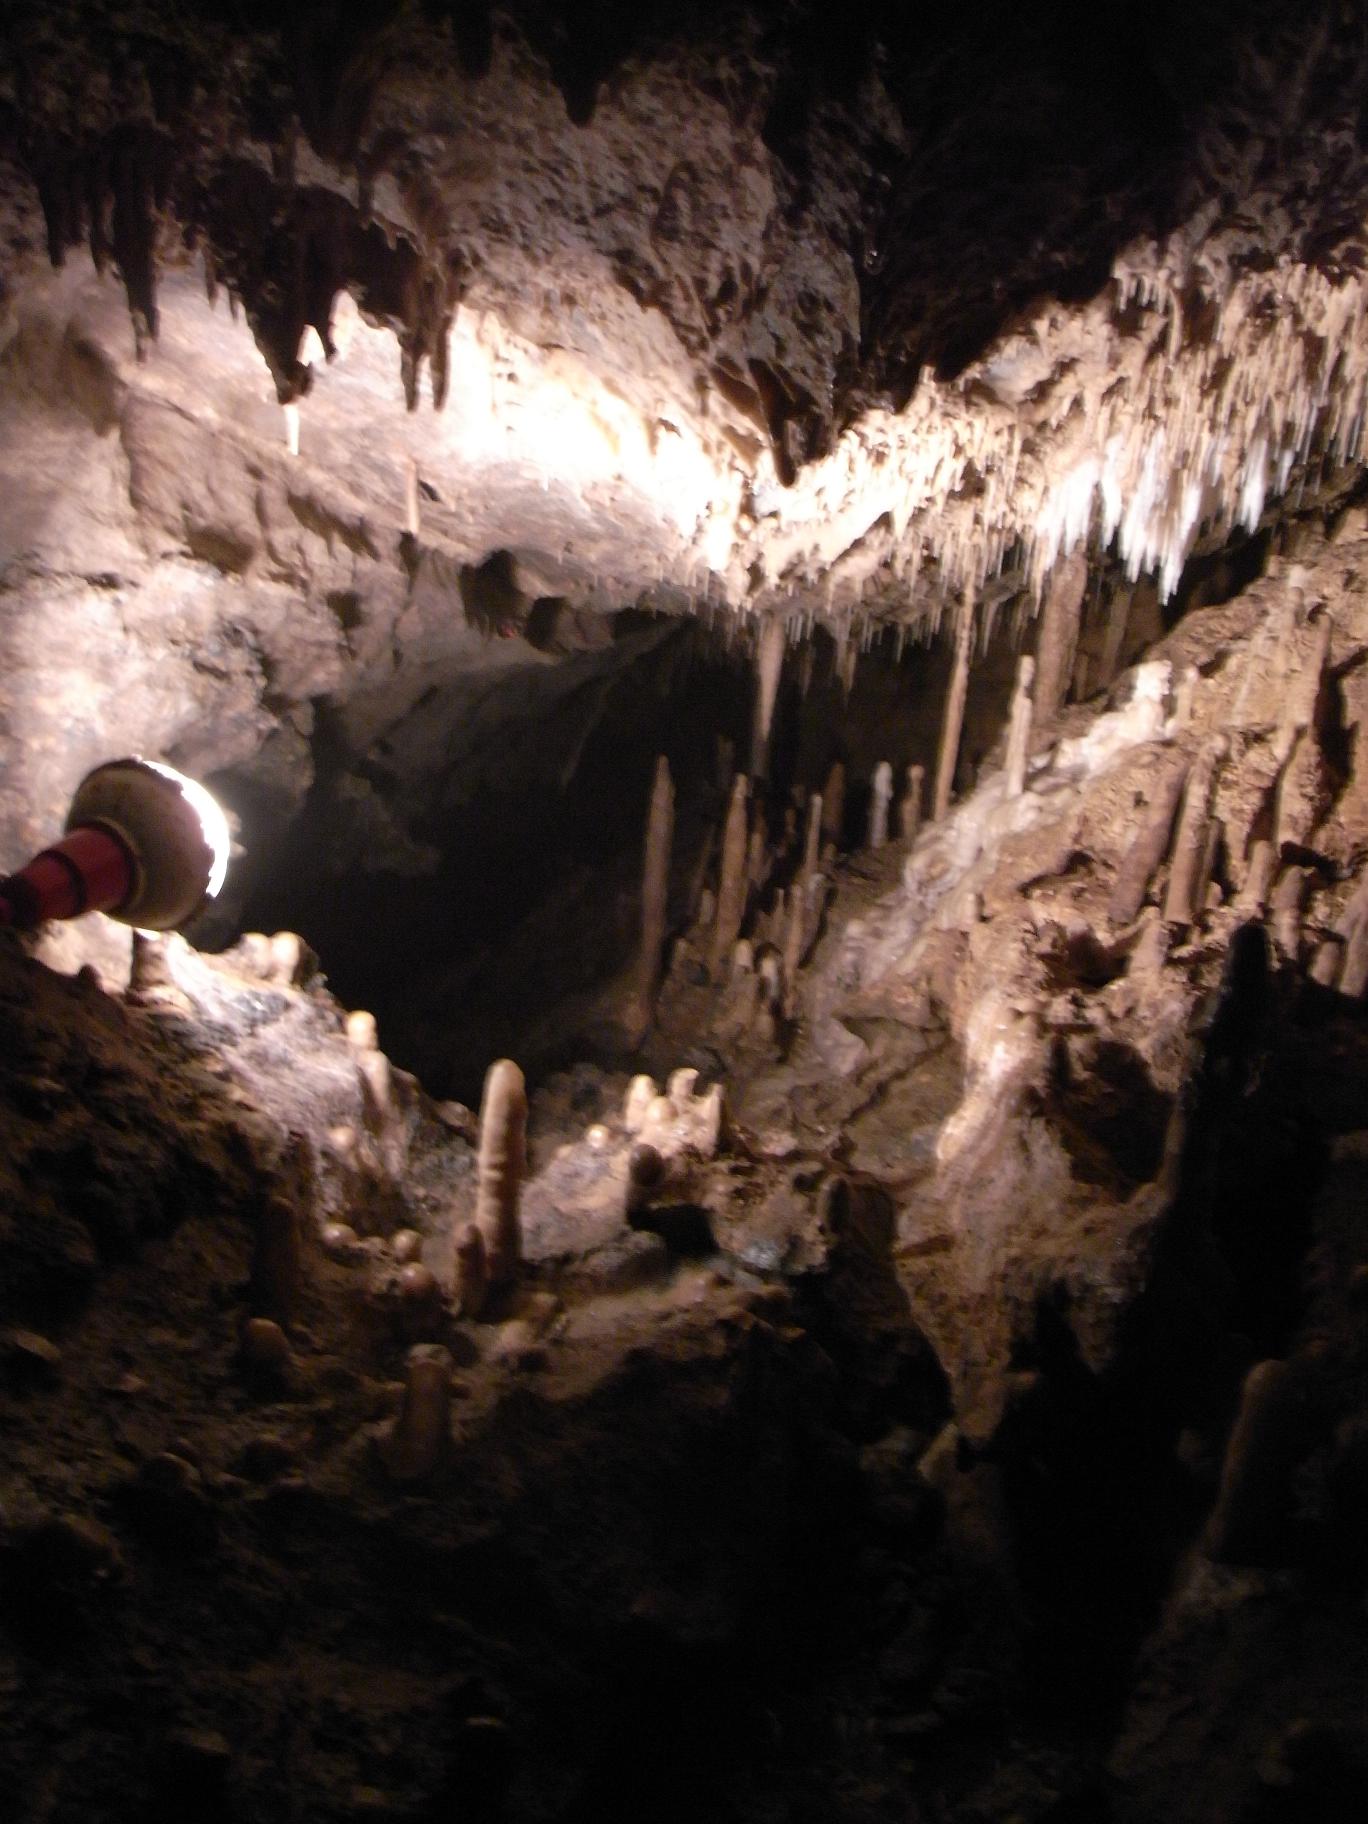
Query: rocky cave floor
971, 1425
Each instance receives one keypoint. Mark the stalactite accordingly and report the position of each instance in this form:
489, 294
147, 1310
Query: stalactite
954, 713
731, 890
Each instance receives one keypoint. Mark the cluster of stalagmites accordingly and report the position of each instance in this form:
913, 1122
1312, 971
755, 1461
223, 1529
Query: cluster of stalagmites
470, 1270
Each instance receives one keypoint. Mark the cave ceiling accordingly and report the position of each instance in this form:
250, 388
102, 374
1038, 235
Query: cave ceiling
835, 314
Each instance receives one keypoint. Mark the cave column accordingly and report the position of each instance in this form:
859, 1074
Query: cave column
1060, 619
954, 711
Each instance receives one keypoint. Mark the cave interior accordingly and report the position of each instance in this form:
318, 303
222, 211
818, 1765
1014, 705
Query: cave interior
749, 1207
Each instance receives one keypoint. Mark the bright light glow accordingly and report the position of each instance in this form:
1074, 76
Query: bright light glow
213, 824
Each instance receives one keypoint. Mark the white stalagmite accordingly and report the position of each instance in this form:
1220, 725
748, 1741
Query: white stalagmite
812, 841
881, 796
954, 713
499, 1168
1019, 728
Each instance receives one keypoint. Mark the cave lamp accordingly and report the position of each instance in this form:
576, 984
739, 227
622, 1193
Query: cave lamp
143, 844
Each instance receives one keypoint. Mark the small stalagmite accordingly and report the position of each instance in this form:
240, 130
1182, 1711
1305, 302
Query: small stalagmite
1288, 895
499, 1169
1353, 930
471, 1280
1019, 728
362, 1033
264, 1352
151, 980
881, 797
416, 1444
910, 809
1258, 882
1186, 895
731, 889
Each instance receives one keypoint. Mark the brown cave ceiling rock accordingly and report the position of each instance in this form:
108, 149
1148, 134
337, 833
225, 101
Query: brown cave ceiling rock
758, 306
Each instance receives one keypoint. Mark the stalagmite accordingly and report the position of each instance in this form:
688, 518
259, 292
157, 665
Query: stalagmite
499, 1169
1019, 728
1144, 855
1353, 929
415, 1446
1287, 910
1258, 882
812, 839
470, 1285
1186, 887
1060, 619
362, 1033
910, 810
833, 804
881, 797
731, 888
151, 980
1300, 696
655, 891
641, 1092
795, 935
1328, 961
769, 663
954, 713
